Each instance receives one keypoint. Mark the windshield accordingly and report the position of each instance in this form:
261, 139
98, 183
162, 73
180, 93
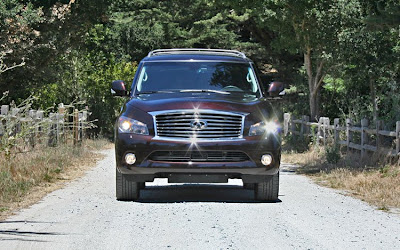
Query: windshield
218, 77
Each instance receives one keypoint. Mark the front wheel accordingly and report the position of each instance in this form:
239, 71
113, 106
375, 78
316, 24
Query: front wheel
268, 190
126, 190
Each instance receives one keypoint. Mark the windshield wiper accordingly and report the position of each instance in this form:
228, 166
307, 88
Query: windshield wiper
154, 92
205, 91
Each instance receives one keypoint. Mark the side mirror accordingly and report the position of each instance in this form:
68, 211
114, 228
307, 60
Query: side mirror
118, 88
276, 89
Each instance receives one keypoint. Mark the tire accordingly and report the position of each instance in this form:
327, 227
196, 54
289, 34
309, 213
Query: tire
268, 190
126, 190
249, 186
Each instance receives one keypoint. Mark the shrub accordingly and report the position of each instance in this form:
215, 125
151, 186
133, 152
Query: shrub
298, 144
332, 154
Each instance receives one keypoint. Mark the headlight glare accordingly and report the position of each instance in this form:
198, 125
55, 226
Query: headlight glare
127, 125
271, 127
264, 128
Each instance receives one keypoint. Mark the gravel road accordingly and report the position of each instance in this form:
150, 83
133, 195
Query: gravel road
85, 215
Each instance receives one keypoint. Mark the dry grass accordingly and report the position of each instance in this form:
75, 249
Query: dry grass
26, 177
378, 187
375, 180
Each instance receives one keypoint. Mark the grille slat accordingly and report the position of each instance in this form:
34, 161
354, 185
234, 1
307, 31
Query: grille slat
199, 136
215, 124
188, 125
205, 131
189, 120
198, 156
186, 128
166, 117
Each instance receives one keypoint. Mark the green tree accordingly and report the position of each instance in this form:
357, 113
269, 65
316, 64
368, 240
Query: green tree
37, 33
16, 31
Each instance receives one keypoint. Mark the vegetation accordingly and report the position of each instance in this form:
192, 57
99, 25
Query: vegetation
339, 58
375, 180
20, 174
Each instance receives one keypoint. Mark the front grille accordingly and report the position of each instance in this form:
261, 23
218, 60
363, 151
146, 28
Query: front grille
199, 156
201, 124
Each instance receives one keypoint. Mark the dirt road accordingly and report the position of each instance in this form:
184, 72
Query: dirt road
85, 215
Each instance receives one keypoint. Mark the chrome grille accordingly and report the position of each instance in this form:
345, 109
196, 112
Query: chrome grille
199, 124
199, 156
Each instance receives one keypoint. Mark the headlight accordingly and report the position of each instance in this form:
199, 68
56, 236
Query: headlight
127, 125
264, 128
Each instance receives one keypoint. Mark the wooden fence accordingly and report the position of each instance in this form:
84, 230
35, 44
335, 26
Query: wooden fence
33, 126
362, 137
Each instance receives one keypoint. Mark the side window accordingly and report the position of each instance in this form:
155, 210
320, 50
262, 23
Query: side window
142, 78
252, 79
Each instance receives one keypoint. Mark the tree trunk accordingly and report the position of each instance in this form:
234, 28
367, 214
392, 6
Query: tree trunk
314, 84
373, 97
313, 107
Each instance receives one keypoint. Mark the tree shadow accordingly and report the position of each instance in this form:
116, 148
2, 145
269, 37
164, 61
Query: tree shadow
23, 235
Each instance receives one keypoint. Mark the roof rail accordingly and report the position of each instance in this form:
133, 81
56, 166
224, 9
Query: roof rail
186, 51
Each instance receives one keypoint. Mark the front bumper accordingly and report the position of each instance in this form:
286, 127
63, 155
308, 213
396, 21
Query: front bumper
144, 169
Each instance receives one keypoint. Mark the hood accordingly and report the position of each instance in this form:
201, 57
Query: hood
174, 101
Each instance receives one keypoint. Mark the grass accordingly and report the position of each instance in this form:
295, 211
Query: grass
24, 172
375, 179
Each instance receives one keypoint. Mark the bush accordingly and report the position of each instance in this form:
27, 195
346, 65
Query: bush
332, 154
298, 144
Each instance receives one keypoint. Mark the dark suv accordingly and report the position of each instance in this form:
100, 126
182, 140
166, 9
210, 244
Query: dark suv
197, 116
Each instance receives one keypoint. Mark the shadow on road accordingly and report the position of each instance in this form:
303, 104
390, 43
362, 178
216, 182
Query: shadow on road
23, 221
197, 193
21, 235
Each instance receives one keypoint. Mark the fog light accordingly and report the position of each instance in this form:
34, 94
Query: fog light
130, 158
266, 159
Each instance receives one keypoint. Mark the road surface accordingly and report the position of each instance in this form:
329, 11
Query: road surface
85, 215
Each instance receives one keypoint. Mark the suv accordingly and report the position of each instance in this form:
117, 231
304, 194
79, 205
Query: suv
197, 116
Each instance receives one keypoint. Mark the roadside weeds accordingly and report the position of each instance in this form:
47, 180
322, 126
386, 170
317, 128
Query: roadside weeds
375, 180
27, 177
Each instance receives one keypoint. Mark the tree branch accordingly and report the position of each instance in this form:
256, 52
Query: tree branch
318, 85
4, 67
319, 70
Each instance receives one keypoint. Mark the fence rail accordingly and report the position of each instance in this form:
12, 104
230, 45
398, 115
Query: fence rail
363, 138
33, 126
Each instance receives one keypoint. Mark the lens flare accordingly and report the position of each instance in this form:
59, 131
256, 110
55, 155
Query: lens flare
125, 125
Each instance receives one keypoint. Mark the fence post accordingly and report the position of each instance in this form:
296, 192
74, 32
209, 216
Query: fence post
4, 109
32, 125
306, 119
292, 125
326, 129
349, 123
379, 126
286, 121
76, 126
80, 123
303, 129
38, 119
15, 111
52, 130
398, 137
60, 120
336, 130
302, 126
14, 115
320, 124
83, 123
364, 136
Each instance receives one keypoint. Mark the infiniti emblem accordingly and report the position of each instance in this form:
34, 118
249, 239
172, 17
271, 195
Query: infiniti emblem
197, 125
